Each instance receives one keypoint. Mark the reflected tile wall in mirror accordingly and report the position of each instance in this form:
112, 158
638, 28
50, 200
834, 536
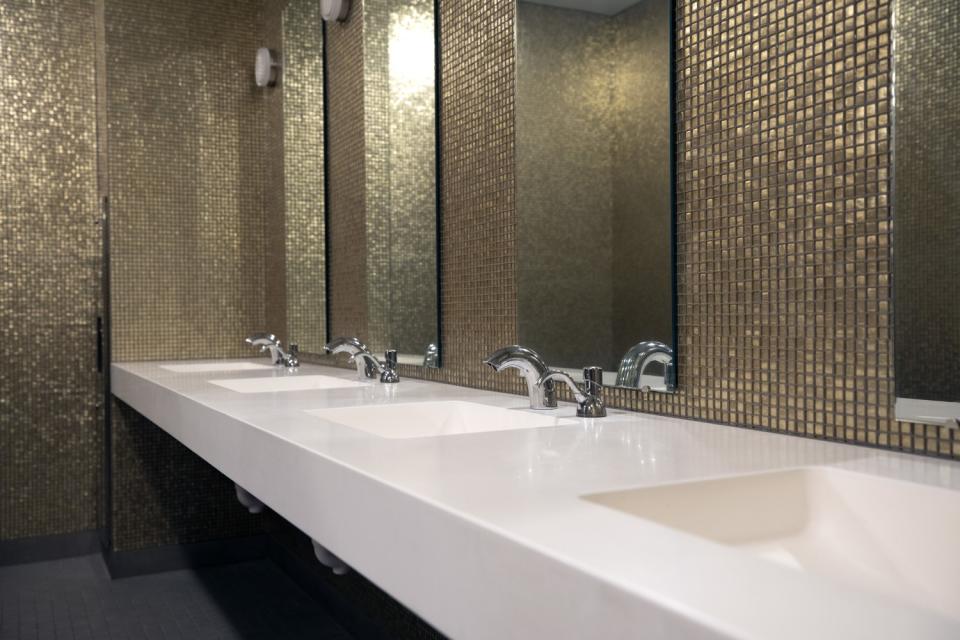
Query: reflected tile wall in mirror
401, 174
303, 174
399, 206
593, 181
926, 199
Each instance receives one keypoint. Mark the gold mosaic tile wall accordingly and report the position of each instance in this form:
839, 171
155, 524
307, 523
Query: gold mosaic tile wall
187, 178
189, 243
50, 425
163, 494
783, 215
926, 199
784, 221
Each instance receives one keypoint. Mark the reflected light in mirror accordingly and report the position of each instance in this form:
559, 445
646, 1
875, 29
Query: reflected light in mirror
411, 43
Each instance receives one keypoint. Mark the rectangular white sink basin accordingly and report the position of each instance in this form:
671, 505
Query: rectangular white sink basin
206, 367
895, 537
286, 383
428, 419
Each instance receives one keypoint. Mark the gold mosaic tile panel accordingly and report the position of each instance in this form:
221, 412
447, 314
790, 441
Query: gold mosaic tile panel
784, 222
50, 425
187, 182
164, 494
191, 204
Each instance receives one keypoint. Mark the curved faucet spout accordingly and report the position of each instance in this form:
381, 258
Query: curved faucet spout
266, 342
344, 344
531, 366
635, 362
270, 342
367, 365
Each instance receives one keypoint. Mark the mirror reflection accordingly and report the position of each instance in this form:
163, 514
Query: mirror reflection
926, 195
300, 89
400, 181
594, 186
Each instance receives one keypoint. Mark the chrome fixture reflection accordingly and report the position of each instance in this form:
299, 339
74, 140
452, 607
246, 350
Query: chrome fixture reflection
589, 398
334, 10
266, 68
367, 364
431, 357
531, 367
279, 357
636, 360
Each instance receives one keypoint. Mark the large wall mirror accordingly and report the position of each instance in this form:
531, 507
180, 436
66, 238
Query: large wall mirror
300, 92
926, 210
595, 185
400, 204
402, 199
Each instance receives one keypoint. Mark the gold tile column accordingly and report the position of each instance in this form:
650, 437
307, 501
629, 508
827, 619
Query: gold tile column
51, 435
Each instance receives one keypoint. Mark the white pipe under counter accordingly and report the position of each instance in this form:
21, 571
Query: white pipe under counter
488, 534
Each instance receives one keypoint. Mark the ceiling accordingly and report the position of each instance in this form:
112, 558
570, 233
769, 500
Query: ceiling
606, 7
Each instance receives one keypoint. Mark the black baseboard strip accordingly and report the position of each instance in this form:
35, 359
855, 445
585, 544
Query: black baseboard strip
43, 548
125, 564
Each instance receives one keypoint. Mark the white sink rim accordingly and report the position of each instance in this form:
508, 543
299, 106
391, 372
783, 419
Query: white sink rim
433, 419
878, 554
286, 384
216, 367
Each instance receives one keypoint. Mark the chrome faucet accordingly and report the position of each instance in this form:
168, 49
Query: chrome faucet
590, 397
269, 342
531, 367
635, 361
367, 364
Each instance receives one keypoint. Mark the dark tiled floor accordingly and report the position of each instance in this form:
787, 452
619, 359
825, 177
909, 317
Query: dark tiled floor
75, 599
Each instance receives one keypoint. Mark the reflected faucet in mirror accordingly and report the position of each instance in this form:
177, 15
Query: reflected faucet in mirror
368, 367
279, 357
431, 357
636, 361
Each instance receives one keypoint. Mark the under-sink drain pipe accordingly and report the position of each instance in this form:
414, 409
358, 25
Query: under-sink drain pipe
248, 500
328, 559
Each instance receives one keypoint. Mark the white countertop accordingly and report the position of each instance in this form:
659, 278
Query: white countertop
486, 536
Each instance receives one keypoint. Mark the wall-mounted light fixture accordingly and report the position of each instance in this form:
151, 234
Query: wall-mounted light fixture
267, 68
334, 10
